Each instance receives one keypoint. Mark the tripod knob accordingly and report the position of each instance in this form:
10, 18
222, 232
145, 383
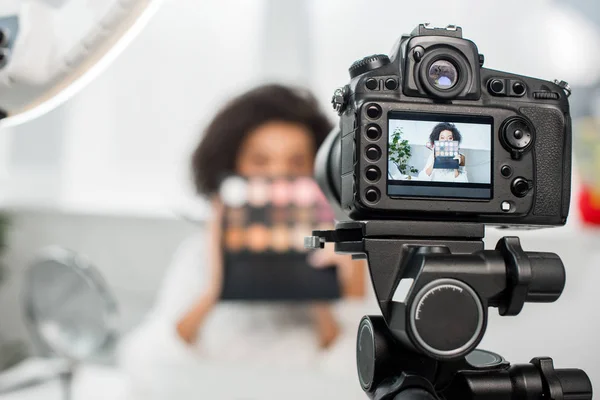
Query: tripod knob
415, 394
446, 319
380, 356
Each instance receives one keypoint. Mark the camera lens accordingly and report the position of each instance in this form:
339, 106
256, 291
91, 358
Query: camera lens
443, 74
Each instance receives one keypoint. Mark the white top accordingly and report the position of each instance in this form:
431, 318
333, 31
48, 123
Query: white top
256, 335
442, 175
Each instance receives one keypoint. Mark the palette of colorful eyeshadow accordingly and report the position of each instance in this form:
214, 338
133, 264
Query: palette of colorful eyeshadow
445, 153
265, 222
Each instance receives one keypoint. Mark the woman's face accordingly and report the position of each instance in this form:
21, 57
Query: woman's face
446, 135
277, 149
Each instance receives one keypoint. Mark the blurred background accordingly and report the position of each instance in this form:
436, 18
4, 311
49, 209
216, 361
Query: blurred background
106, 174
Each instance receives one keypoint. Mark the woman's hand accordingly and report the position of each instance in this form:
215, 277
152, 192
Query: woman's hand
327, 327
461, 162
191, 322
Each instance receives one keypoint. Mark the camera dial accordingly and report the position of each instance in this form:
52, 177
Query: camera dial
367, 64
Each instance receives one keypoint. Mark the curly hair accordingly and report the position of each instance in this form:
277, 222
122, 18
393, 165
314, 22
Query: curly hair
444, 126
216, 155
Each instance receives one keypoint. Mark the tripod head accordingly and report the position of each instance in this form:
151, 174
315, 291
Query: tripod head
434, 283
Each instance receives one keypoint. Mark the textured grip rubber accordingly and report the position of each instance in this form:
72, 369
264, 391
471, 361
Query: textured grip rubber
566, 192
549, 153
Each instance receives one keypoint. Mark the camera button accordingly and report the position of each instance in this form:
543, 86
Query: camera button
497, 87
371, 84
373, 153
373, 132
520, 187
518, 88
505, 206
518, 134
391, 84
372, 195
373, 174
418, 53
373, 111
506, 171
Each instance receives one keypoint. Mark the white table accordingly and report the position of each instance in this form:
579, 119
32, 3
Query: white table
209, 381
91, 382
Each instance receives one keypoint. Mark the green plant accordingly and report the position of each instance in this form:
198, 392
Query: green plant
400, 153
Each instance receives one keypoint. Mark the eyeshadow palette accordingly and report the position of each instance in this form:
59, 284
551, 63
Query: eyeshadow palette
445, 151
264, 225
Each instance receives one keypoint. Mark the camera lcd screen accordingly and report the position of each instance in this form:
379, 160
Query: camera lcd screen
445, 156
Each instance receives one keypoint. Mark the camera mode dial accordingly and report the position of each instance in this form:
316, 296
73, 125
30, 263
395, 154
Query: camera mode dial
366, 64
446, 319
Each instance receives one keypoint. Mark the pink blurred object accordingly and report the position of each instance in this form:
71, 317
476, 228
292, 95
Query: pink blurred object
589, 205
587, 159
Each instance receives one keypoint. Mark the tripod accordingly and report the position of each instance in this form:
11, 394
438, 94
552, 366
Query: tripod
434, 283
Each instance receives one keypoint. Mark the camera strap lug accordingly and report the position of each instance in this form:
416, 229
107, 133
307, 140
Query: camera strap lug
339, 99
564, 86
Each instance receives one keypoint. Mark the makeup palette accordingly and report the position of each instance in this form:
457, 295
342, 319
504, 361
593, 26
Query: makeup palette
265, 222
445, 153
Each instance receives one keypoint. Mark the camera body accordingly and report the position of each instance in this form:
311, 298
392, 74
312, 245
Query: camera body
429, 134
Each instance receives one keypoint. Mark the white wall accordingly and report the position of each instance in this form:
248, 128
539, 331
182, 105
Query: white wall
130, 133
474, 136
523, 37
122, 145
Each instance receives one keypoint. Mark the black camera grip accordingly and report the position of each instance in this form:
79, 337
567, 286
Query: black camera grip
551, 159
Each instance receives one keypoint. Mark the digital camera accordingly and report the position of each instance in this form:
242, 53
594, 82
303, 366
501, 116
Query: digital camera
427, 133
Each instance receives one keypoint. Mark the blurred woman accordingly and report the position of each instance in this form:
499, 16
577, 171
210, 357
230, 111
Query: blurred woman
269, 131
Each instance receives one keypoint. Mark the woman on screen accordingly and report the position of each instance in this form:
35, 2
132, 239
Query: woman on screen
448, 138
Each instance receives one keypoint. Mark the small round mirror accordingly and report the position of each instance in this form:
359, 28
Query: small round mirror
68, 306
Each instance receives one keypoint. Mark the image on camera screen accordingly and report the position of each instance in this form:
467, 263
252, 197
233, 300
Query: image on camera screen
439, 156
